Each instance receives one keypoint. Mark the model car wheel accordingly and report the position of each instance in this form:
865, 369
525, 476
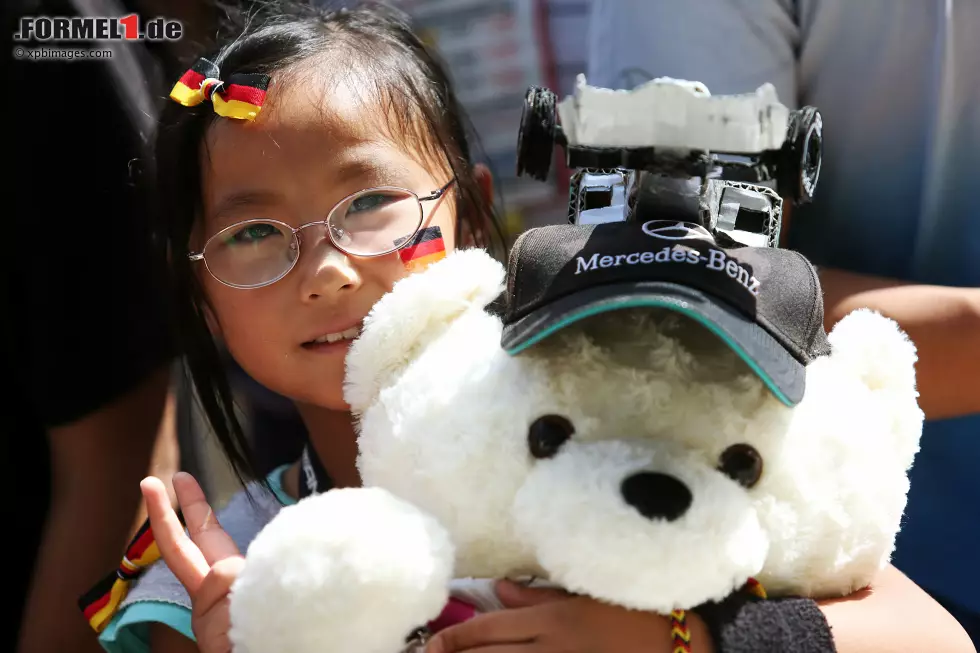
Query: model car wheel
536, 138
801, 155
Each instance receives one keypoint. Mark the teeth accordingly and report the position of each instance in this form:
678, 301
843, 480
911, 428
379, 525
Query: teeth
349, 334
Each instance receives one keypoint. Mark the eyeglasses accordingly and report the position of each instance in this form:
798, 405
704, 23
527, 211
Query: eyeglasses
372, 222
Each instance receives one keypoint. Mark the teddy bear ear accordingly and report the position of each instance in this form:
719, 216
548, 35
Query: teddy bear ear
877, 352
876, 349
418, 310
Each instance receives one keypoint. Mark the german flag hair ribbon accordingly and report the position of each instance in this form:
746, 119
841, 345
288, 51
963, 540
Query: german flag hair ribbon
240, 96
100, 604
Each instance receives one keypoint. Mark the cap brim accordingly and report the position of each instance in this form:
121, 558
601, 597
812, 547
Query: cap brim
769, 360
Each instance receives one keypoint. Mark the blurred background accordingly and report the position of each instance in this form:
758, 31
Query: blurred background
97, 390
495, 49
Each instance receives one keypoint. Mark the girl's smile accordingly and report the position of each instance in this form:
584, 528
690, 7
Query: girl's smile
333, 341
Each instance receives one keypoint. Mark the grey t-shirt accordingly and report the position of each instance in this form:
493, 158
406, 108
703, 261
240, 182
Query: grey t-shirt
898, 84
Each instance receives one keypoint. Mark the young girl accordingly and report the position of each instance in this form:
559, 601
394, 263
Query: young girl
324, 152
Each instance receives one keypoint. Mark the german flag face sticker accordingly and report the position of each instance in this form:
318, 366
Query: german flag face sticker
423, 250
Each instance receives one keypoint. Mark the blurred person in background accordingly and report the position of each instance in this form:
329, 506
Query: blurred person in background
87, 356
894, 225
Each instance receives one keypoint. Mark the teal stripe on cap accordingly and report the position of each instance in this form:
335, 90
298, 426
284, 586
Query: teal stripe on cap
656, 303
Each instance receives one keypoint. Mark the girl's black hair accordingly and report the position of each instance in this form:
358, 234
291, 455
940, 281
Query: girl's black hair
277, 38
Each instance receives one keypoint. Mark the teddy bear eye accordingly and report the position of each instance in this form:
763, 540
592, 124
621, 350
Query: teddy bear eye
742, 463
547, 434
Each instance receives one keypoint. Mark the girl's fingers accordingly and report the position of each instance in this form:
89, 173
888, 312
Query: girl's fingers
505, 628
182, 556
202, 524
215, 588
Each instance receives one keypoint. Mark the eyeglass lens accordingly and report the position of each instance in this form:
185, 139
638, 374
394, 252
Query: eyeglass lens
370, 223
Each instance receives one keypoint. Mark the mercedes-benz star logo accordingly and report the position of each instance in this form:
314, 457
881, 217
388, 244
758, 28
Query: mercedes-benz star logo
666, 230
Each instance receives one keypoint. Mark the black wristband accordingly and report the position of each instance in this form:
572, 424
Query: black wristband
746, 624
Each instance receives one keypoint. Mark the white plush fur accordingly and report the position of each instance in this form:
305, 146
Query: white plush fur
445, 427
347, 571
443, 415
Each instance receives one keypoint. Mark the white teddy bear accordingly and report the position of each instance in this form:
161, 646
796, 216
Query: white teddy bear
633, 457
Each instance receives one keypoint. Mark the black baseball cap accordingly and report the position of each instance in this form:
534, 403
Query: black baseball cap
763, 302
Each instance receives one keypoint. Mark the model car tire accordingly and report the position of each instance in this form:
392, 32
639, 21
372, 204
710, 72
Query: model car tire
536, 138
801, 155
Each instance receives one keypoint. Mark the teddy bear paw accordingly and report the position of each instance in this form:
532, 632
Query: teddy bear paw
352, 570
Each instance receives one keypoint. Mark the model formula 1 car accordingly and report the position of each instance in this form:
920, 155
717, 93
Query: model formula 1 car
625, 144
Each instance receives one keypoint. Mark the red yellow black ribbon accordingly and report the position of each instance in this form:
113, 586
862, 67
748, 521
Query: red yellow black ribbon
101, 602
680, 632
240, 96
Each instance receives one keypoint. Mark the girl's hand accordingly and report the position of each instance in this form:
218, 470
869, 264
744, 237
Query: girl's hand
549, 621
206, 563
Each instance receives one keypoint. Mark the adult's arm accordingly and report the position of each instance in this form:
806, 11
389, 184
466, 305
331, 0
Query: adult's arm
891, 615
89, 351
733, 47
942, 321
97, 463
894, 616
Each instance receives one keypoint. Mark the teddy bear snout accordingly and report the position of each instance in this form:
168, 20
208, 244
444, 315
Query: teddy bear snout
656, 495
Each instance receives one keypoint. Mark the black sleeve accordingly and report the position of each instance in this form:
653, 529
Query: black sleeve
85, 299
745, 624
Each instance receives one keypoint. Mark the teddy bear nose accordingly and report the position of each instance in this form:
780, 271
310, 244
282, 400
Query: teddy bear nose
656, 495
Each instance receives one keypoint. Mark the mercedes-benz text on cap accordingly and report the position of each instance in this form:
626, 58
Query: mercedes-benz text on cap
765, 303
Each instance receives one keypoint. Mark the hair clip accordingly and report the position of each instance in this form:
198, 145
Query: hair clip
240, 97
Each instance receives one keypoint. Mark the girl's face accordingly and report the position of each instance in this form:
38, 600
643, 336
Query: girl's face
300, 157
